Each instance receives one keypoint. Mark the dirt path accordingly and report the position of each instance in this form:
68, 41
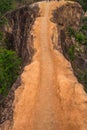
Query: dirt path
55, 106
50, 97
45, 109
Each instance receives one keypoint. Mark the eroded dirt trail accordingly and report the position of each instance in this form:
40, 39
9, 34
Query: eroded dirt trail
50, 97
44, 116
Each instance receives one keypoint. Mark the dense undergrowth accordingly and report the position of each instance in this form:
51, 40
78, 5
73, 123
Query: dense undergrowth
78, 50
10, 63
9, 69
83, 3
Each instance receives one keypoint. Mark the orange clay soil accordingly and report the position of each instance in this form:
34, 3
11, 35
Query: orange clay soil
50, 97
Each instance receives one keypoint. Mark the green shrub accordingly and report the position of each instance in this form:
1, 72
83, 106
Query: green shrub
71, 31
79, 49
84, 20
5, 5
9, 69
83, 3
80, 37
71, 52
1, 36
3, 20
84, 28
83, 78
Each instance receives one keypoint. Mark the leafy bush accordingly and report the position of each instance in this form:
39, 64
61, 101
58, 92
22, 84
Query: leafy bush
71, 52
3, 20
71, 31
9, 61
78, 51
5, 5
81, 34
80, 37
1, 36
82, 76
9, 69
84, 27
83, 3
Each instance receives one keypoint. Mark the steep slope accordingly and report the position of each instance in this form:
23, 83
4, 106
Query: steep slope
49, 97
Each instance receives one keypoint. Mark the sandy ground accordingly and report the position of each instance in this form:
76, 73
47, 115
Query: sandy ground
50, 97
